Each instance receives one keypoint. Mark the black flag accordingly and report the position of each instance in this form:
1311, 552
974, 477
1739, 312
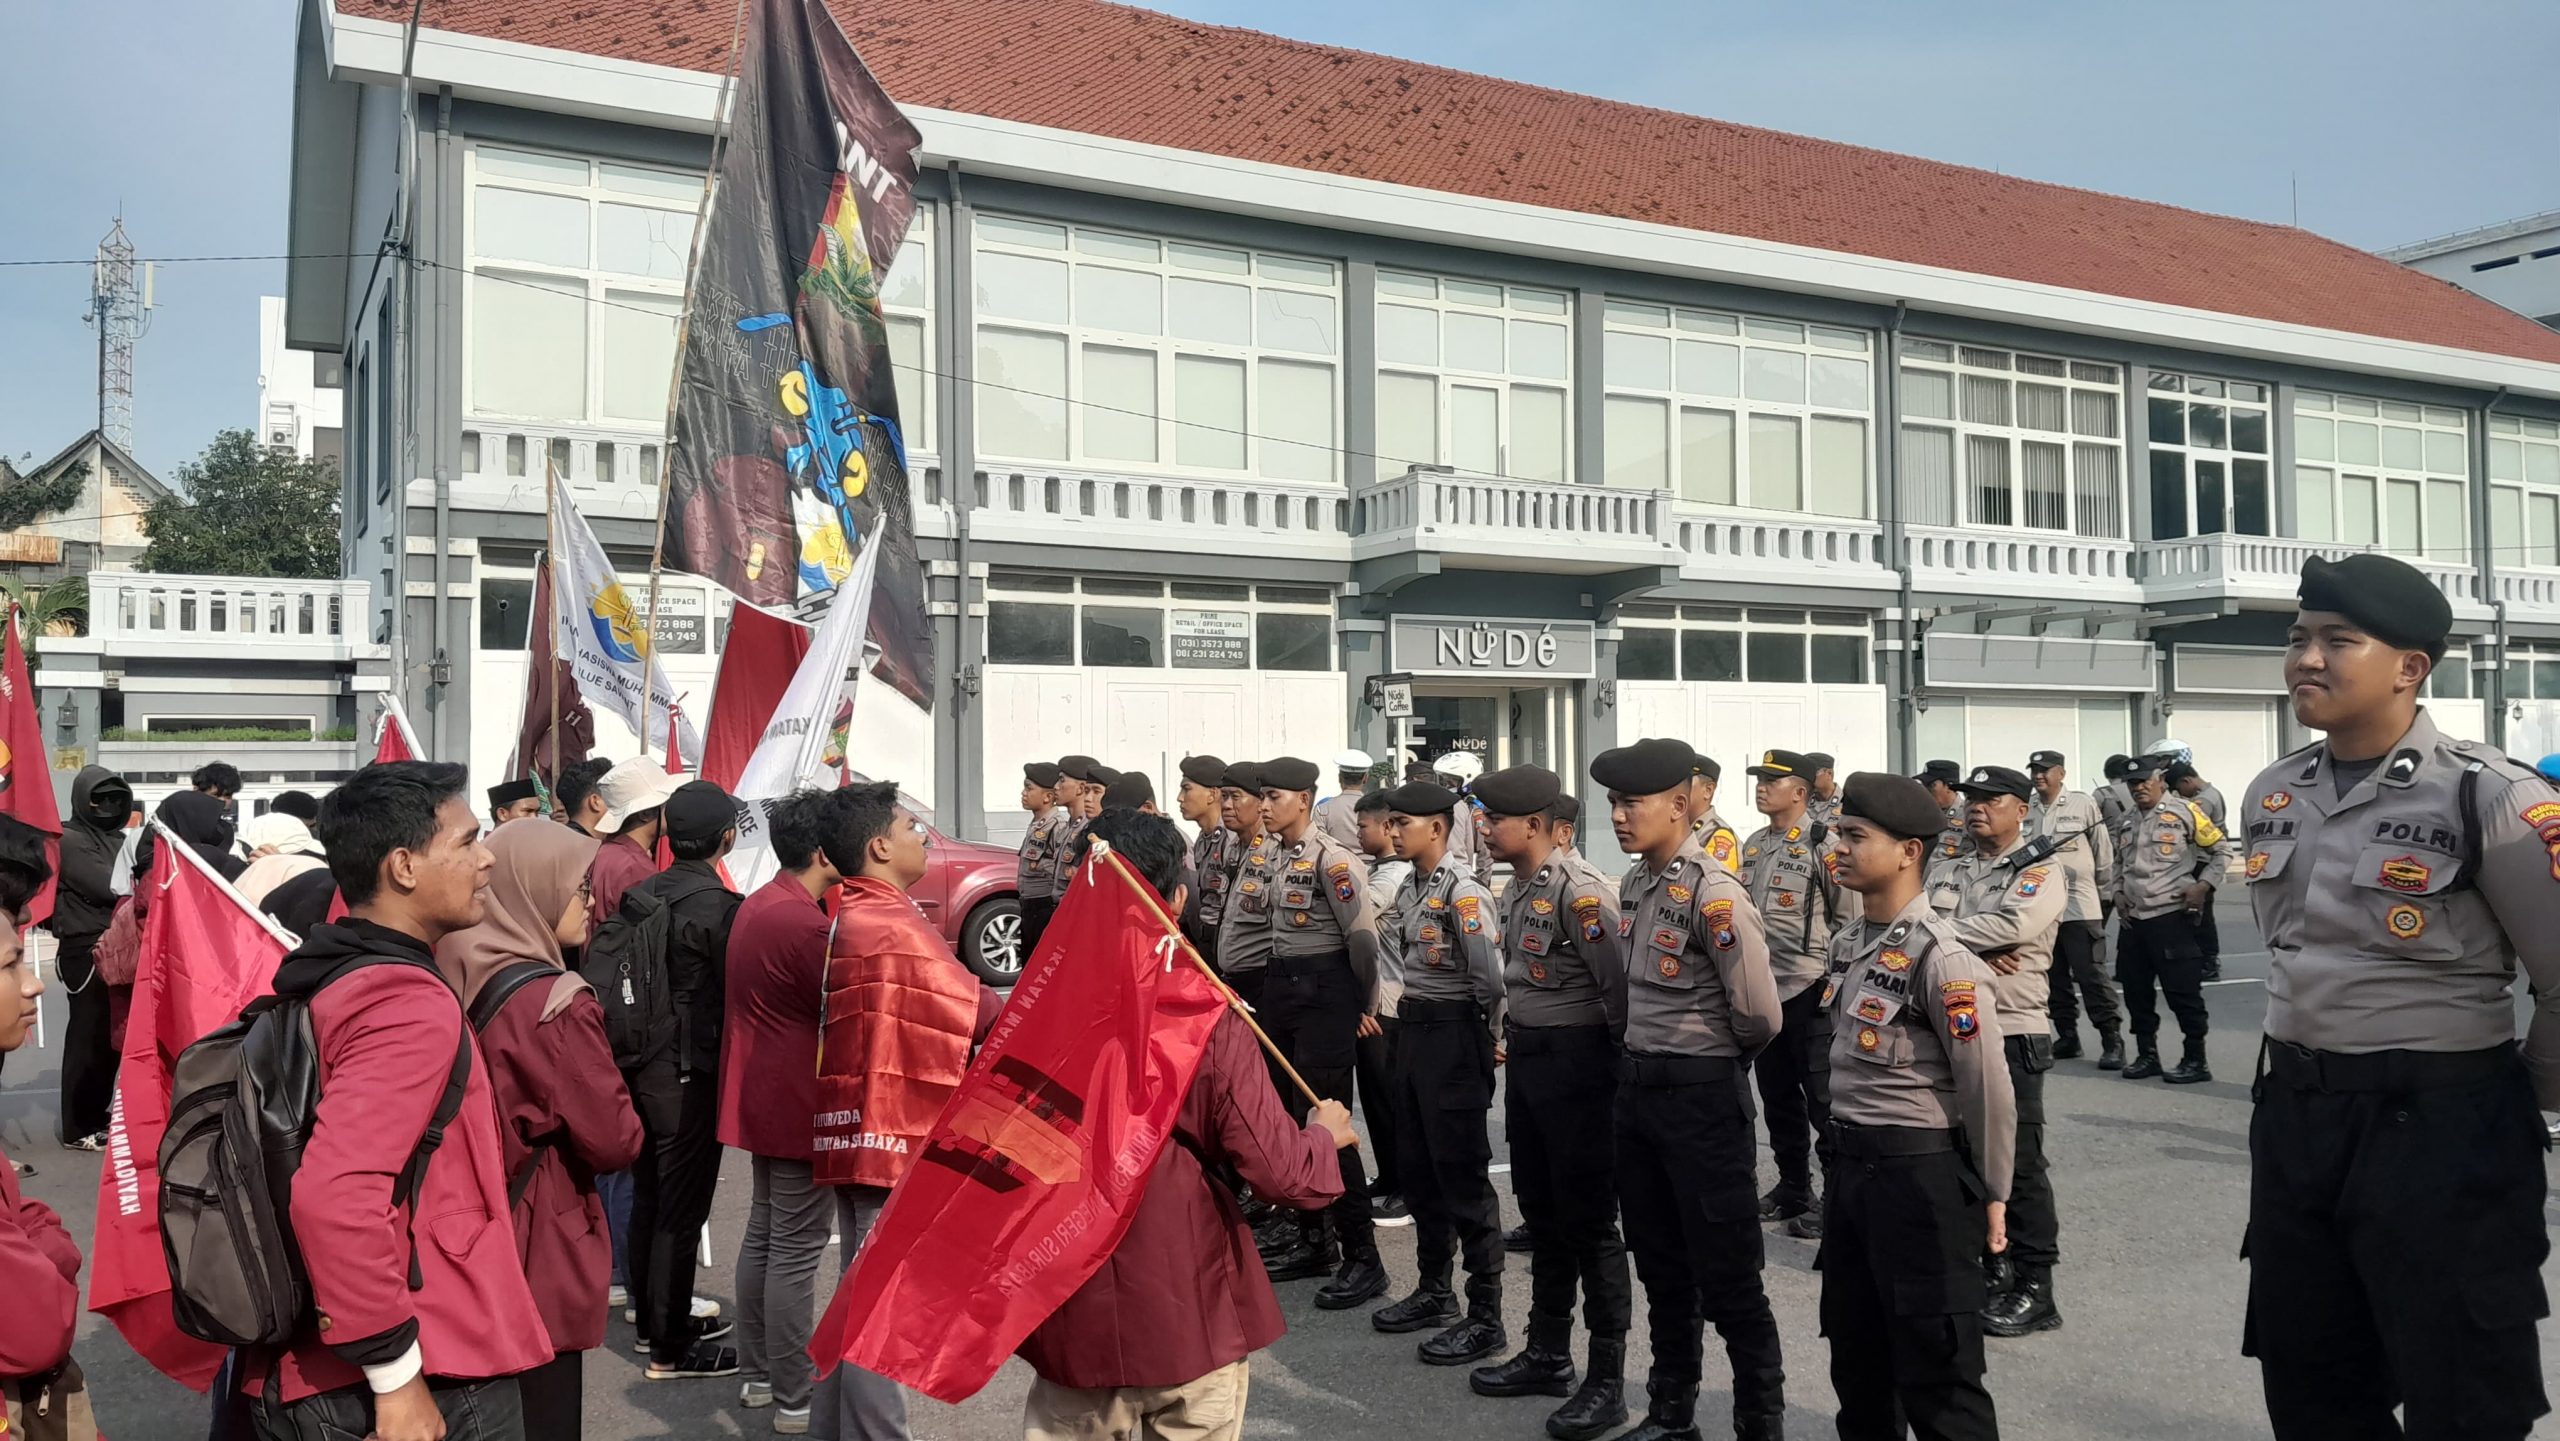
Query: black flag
788, 454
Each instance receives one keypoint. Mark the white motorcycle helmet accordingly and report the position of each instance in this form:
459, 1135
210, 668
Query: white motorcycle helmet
2167, 749
1461, 766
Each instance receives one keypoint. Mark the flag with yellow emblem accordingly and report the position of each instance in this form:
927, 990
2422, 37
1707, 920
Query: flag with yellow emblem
600, 631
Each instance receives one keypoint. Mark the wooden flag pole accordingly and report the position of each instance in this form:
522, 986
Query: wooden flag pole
551, 619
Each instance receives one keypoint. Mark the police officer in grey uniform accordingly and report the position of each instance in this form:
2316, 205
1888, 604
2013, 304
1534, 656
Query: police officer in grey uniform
2165, 878
2185, 783
2085, 846
1388, 873
1036, 865
1700, 1003
2116, 808
1720, 842
1824, 804
1449, 1024
1339, 813
1244, 929
1924, 1115
1213, 852
1565, 975
2004, 900
2401, 879
1939, 779
1782, 868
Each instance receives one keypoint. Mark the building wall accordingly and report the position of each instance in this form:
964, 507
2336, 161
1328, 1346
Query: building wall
295, 410
2516, 265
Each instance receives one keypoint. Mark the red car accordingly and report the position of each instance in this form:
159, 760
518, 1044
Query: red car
971, 890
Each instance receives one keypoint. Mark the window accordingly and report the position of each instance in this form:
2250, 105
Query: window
2210, 452
1716, 644
2451, 678
506, 613
1037, 618
2532, 671
2524, 491
1473, 375
1738, 410
2019, 440
2385, 473
1101, 348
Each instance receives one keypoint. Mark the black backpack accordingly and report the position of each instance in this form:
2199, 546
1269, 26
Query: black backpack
500, 989
626, 962
240, 1111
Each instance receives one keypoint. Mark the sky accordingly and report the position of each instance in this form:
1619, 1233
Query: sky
2396, 121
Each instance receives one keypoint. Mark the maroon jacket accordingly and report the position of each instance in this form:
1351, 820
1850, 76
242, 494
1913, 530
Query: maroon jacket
777, 983
621, 864
1185, 1292
40, 1276
555, 1081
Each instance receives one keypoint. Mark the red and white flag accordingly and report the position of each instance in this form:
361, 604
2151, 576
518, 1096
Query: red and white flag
392, 738
26, 779
756, 666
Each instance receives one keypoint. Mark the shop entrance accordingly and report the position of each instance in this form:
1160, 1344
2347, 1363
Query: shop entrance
1502, 725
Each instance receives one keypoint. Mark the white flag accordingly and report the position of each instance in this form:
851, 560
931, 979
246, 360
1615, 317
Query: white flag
804, 742
604, 636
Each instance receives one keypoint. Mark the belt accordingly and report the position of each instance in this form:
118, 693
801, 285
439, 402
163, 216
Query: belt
2300, 1068
1547, 1040
1414, 1012
1876, 1141
1317, 961
1643, 1070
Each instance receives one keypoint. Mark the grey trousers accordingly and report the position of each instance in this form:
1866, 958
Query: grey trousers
778, 1263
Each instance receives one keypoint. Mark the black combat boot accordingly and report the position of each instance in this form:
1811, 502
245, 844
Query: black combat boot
1362, 1278
1516, 1240
1543, 1368
2066, 1047
2191, 1067
1600, 1405
2111, 1050
1671, 1416
2027, 1309
1478, 1336
1787, 1200
1315, 1254
1431, 1304
2000, 1277
1772, 1427
2146, 1061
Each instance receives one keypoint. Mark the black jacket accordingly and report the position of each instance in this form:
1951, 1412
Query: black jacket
302, 904
87, 898
702, 907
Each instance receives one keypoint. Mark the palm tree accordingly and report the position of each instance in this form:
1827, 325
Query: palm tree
60, 609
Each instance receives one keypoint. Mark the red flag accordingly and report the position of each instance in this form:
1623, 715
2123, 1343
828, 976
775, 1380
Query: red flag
755, 669
205, 954
1029, 1178
534, 742
392, 740
675, 767
26, 780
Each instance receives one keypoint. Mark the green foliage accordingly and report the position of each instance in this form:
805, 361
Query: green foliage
24, 501
250, 510
223, 735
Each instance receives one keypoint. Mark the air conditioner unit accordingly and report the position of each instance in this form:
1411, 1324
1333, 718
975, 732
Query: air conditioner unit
283, 436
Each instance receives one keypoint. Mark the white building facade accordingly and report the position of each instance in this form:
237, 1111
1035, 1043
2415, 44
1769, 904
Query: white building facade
301, 400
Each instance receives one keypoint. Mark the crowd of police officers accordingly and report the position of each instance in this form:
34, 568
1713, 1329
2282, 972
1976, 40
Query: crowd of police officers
1897, 962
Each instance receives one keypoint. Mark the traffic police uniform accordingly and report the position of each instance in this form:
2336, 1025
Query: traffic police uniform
2086, 850
2010, 907
1213, 864
1564, 974
1924, 1115
1036, 867
2396, 1232
1799, 903
2172, 847
1699, 1002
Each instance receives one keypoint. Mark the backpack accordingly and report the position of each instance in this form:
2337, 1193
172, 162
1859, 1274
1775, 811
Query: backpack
626, 962
241, 1108
493, 998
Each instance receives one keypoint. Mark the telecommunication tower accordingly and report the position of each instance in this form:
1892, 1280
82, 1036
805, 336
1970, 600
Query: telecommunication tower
120, 307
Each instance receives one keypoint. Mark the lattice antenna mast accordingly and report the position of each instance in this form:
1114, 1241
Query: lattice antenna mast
120, 307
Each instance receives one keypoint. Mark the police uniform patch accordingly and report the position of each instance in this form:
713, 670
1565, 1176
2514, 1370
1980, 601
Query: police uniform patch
1795, 833
2169, 848
1540, 905
1251, 886
2275, 800
1722, 846
1680, 895
1872, 1008
1534, 942
1894, 934
1471, 915
1340, 874
2032, 881
1301, 918
1786, 900
1830, 988
1869, 1038
2257, 863
1435, 903
1895, 960
1537, 971
1751, 852
2405, 921
1947, 847
1429, 934
1719, 918
1626, 927
1670, 967
2406, 873
1831, 864
1667, 939
2541, 813
1587, 910
1963, 1022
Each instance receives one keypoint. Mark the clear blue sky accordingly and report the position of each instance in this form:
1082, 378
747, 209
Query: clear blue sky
2401, 121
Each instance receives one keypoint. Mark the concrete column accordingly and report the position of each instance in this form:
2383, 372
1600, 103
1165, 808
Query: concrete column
1359, 372
1589, 400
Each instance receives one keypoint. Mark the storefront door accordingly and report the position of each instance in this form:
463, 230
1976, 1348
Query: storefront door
1501, 725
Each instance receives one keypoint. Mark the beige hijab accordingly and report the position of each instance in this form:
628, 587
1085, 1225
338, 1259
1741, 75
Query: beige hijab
539, 868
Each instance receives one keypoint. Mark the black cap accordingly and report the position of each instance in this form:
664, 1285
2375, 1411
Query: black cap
1128, 791
1422, 798
1942, 772
1242, 776
1649, 767
2043, 761
2140, 768
1289, 773
1043, 775
1896, 803
1707, 767
1784, 763
1081, 768
1819, 760
1103, 776
1996, 781
2390, 599
2115, 766
1518, 790
700, 811
2177, 771
504, 793
1204, 771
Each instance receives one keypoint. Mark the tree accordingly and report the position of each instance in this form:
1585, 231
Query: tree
24, 500
250, 510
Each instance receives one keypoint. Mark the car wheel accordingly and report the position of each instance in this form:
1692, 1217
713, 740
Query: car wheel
991, 942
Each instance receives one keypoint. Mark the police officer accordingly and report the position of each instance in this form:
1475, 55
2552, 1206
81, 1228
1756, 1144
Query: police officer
1716, 840
2004, 900
1824, 806
1699, 1002
1339, 813
1323, 981
1565, 975
1939, 779
1036, 867
2087, 853
1244, 930
2116, 808
2185, 783
1449, 1025
1923, 1112
1388, 873
1213, 852
2164, 878
1082, 782
1458, 770
1783, 870
2396, 1229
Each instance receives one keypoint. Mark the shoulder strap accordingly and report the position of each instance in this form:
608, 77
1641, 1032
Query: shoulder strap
2467, 801
404, 1189
502, 988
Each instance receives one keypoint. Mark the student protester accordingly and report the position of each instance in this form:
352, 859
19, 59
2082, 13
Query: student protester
92, 838
196, 818
634, 794
280, 848
517, 800
561, 1107
575, 803
301, 805
39, 1262
395, 1362
221, 781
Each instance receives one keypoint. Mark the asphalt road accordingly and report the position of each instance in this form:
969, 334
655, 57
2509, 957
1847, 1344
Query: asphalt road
2153, 1182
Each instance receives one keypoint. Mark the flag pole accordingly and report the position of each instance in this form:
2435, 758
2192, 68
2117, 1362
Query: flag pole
1235, 1002
551, 618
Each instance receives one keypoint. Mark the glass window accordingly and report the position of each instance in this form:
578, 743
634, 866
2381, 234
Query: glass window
1030, 633
1208, 408
506, 613
1119, 410
1839, 660
1646, 653
1777, 656
2208, 474
1295, 420
1773, 375
1708, 454
1928, 395
1839, 467
1777, 461
1642, 361
1635, 440
1496, 404
1021, 401
2423, 456
1537, 434
529, 345
1408, 422
1120, 635
1291, 641
1711, 655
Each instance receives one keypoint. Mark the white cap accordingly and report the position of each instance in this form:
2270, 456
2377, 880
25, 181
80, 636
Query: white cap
1465, 765
638, 784
1353, 761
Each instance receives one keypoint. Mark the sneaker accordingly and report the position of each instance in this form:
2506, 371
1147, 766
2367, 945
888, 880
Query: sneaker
755, 1395
711, 1329
23, 1168
95, 1142
790, 1421
1390, 1211
704, 1308
706, 1359
617, 1296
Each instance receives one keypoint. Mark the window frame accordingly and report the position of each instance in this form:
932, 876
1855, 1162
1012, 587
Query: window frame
2076, 376
2536, 499
2317, 408
1709, 326
1028, 587
1446, 378
2193, 391
1743, 623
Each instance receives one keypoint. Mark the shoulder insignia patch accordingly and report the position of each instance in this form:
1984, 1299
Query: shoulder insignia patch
1895, 959
2278, 800
1343, 889
1471, 915
1895, 935
1795, 833
1680, 895
1963, 1021
2405, 921
2541, 813
2402, 769
2406, 873
2032, 881
1720, 929
1722, 846
1586, 909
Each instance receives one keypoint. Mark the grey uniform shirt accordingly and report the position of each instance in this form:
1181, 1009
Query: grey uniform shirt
1995, 904
1214, 853
1950, 846
1388, 876
1244, 934
2087, 857
1717, 841
2116, 808
1826, 811
1321, 906
2168, 848
1799, 902
1698, 981
1452, 941
2210, 801
2373, 943
1915, 1038
1466, 843
1036, 869
1565, 963
1336, 815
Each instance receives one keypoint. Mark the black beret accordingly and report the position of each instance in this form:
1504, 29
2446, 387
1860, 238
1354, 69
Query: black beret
1996, 781
1242, 776
1518, 790
507, 793
1204, 771
1819, 760
1943, 772
1783, 763
2044, 760
2391, 599
1043, 775
1102, 776
1422, 798
1289, 773
1649, 767
1080, 768
1896, 803
2117, 765
1128, 791
1568, 809
700, 811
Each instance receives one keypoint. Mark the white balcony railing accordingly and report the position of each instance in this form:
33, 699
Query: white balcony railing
1543, 524
1051, 505
131, 613
2529, 589
2023, 563
2269, 568
1775, 545
611, 471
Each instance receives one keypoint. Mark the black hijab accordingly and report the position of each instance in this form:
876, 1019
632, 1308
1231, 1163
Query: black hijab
198, 820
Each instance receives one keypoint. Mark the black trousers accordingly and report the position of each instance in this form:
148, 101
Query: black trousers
1557, 1105
89, 1058
472, 1411
2395, 1246
1688, 1183
1794, 1074
2035, 1225
555, 1398
1444, 1090
672, 1187
2209, 933
2080, 973
1311, 1007
1902, 1288
2162, 951
1375, 1073
1036, 911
